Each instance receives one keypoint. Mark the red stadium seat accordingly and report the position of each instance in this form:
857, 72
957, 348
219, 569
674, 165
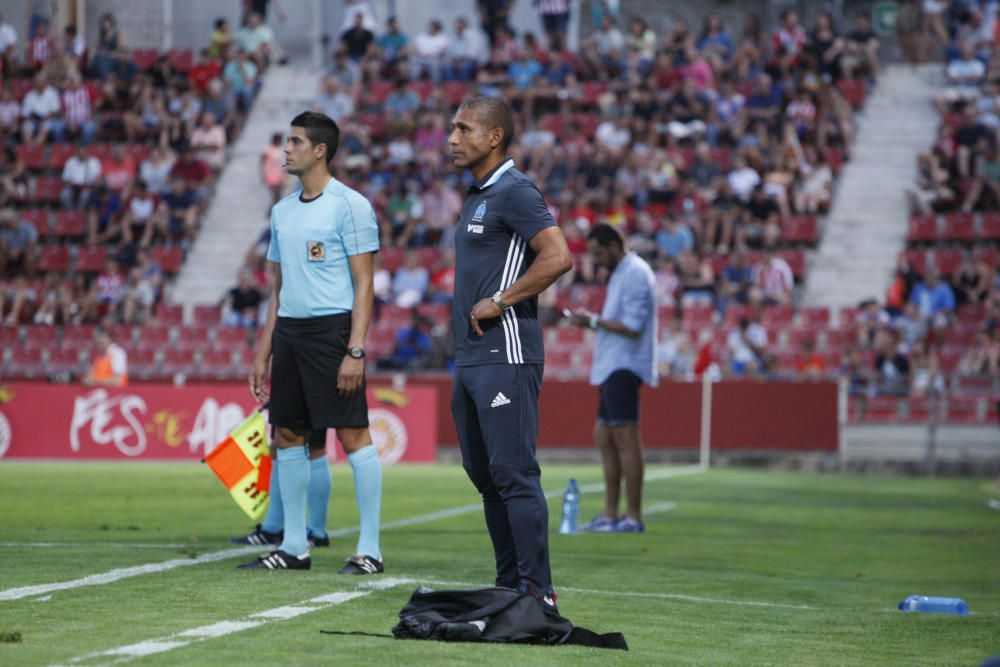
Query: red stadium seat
180, 59
192, 337
77, 336
802, 229
217, 364
946, 260
815, 317
47, 189
990, 226
206, 315
91, 259
32, 155
177, 360
20, 87
228, 338
170, 258
838, 339
834, 158
853, 91
916, 259
54, 258
170, 313
796, 262
38, 217
142, 362
922, 228
25, 363
391, 258
59, 154
154, 336
423, 89
455, 92
590, 91
40, 336
145, 58
777, 316
883, 409
63, 360
959, 227
70, 224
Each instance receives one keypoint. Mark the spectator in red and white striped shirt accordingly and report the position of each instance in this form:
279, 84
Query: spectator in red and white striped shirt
78, 112
40, 46
773, 280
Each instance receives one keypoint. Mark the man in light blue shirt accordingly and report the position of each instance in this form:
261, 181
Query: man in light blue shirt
323, 240
624, 358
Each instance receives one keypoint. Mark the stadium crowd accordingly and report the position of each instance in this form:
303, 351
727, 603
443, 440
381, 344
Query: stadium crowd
713, 148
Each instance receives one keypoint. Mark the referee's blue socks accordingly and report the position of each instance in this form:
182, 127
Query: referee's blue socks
320, 484
274, 520
293, 475
368, 491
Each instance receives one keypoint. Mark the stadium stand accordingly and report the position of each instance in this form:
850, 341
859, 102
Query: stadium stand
716, 153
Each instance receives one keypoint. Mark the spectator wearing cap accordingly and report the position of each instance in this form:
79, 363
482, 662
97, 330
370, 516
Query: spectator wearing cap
18, 241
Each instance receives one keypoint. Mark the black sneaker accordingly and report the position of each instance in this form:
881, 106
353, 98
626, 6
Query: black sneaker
546, 599
361, 564
315, 540
278, 560
259, 537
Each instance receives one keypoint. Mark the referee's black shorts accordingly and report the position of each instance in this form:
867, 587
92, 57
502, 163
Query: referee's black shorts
305, 361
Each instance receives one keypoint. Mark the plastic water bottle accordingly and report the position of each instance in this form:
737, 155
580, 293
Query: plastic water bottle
571, 509
933, 605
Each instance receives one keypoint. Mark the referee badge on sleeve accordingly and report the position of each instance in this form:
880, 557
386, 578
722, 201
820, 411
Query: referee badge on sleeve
316, 251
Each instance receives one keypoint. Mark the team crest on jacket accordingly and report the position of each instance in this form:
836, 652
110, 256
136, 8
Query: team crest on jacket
480, 212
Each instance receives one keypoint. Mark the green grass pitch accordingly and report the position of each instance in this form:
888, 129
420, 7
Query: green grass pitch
747, 567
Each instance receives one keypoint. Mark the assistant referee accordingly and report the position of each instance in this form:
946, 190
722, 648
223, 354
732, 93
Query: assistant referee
323, 239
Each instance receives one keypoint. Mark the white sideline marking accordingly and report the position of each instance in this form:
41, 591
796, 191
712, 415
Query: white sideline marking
637, 594
659, 507
152, 568
219, 629
122, 573
149, 647
81, 545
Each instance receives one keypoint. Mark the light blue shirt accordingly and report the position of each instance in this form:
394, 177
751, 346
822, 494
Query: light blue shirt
631, 300
312, 241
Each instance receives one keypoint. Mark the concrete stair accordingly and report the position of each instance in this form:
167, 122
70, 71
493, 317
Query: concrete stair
240, 210
866, 228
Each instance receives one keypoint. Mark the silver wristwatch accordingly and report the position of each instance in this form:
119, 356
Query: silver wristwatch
503, 305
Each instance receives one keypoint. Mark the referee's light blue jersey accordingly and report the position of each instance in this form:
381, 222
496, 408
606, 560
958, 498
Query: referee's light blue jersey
312, 240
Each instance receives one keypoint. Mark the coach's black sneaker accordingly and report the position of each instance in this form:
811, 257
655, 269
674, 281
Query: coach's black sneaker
361, 564
259, 537
546, 599
315, 540
278, 560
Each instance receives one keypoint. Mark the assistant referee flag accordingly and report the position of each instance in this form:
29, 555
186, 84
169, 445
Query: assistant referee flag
242, 462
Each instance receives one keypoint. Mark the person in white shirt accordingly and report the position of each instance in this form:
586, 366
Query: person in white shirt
333, 100
964, 77
79, 173
429, 50
209, 141
8, 44
743, 178
466, 51
746, 346
41, 114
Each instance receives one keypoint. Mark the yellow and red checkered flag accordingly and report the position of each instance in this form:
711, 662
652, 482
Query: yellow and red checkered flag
242, 462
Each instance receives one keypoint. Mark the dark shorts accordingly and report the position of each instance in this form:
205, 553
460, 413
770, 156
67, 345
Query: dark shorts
316, 439
305, 362
619, 399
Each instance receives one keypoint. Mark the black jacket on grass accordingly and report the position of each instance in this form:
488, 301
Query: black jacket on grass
498, 615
